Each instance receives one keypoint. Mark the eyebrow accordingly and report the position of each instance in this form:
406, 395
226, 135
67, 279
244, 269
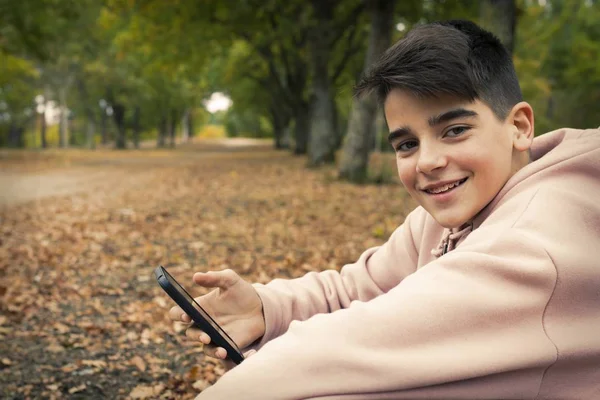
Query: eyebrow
433, 121
450, 115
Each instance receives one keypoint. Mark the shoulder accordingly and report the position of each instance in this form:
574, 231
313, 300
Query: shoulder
550, 216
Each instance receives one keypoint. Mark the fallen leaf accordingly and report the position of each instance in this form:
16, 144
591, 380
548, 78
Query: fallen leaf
154, 360
77, 388
6, 361
145, 392
200, 385
161, 301
139, 363
68, 368
60, 327
94, 363
55, 348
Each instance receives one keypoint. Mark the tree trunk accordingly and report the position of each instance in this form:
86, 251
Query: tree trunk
119, 115
15, 136
190, 123
103, 127
43, 127
136, 127
185, 134
361, 127
500, 18
90, 133
321, 147
279, 121
301, 129
172, 127
277, 129
63, 125
339, 133
162, 132
380, 132
89, 113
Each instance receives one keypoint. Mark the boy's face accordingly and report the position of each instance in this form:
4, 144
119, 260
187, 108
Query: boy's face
453, 156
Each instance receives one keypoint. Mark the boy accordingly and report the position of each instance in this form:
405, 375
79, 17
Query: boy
489, 289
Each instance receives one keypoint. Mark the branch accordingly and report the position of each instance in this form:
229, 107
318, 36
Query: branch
338, 31
350, 51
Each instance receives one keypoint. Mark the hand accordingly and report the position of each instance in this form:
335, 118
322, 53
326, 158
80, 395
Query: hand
234, 305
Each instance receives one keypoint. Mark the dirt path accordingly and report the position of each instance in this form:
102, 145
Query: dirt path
35, 176
19, 188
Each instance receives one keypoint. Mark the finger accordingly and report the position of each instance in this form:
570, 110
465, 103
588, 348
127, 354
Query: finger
197, 334
221, 279
177, 314
210, 350
221, 353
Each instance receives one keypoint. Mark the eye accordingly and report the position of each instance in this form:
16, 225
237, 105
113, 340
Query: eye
456, 131
406, 146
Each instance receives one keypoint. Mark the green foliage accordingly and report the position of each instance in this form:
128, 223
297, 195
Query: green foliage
558, 48
164, 58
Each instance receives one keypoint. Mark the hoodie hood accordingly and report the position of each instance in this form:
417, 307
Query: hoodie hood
556, 150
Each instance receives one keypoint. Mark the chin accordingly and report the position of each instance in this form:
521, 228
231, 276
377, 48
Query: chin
450, 223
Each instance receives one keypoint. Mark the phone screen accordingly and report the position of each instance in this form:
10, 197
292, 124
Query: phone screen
206, 316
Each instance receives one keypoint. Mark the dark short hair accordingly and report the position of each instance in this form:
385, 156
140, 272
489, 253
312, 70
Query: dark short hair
455, 58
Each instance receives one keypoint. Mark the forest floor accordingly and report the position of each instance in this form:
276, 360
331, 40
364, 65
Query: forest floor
82, 231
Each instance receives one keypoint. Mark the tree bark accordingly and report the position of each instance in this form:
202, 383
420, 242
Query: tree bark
89, 113
500, 17
185, 127
361, 127
15, 136
63, 125
279, 121
43, 127
190, 123
103, 126
172, 127
301, 129
90, 133
321, 148
136, 127
162, 132
119, 116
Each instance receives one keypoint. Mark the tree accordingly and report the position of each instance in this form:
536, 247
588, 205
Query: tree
326, 31
361, 128
500, 17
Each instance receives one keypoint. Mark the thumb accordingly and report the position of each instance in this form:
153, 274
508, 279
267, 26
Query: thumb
221, 279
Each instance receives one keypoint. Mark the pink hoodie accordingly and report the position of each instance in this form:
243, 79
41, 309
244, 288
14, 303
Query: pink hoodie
511, 311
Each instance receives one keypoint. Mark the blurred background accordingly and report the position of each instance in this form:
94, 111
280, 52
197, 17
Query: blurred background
178, 133
127, 73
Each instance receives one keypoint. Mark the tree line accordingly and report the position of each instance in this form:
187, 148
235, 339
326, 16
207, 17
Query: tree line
121, 71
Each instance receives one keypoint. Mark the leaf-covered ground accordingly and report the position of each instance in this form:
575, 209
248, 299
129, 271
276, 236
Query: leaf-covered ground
81, 315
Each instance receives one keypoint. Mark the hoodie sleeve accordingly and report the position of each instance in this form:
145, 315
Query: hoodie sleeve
377, 270
472, 314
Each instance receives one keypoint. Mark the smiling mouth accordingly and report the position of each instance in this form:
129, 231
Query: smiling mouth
446, 188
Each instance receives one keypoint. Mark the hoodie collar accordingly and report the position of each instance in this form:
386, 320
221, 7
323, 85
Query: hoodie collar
450, 239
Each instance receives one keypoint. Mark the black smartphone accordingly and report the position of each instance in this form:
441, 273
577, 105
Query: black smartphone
200, 318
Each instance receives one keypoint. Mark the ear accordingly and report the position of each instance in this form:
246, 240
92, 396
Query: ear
521, 122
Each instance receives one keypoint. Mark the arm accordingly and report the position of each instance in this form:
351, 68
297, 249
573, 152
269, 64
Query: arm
377, 270
468, 325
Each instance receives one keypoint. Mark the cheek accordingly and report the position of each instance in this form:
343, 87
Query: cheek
406, 172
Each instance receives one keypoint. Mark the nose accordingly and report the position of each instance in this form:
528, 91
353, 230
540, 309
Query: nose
431, 157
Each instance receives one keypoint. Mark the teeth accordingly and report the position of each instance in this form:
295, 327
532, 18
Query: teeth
444, 188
